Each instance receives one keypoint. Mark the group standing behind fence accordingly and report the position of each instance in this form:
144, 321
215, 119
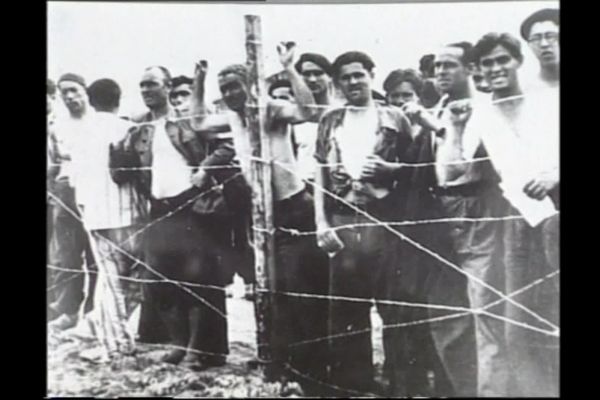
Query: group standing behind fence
437, 202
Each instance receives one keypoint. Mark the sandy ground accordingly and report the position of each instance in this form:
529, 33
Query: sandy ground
74, 371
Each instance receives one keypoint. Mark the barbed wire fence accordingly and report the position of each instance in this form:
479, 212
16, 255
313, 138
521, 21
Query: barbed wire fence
263, 228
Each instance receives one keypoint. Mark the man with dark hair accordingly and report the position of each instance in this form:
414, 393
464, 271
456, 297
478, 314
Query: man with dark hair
302, 267
181, 94
403, 89
402, 86
521, 134
316, 72
456, 187
541, 31
70, 240
104, 95
281, 89
111, 213
364, 140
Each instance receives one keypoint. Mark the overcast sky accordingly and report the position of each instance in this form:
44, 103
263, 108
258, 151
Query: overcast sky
117, 40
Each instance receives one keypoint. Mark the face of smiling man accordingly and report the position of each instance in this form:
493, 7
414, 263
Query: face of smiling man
499, 69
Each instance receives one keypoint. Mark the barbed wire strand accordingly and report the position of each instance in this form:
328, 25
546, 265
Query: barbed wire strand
190, 201
144, 280
329, 385
427, 251
435, 319
133, 258
317, 165
296, 232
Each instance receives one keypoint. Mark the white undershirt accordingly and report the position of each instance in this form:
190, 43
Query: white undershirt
357, 138
170, 171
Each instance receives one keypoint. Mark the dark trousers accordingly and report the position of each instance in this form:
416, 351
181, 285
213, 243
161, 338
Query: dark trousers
416, 339
365, 268
302, 267
68, 246
185, 247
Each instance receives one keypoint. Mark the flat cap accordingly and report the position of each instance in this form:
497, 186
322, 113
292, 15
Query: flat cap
546, 14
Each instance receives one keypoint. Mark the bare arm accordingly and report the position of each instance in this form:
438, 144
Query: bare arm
321, 220
201, 121
287, 111
450, 151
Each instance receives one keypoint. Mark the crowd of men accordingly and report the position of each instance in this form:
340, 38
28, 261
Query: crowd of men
463, 148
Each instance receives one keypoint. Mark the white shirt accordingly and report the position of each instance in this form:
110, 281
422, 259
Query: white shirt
522, 139
357, 138
68, 131
171, 174
105, 205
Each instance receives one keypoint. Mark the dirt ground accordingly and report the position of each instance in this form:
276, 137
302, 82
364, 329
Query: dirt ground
73, 371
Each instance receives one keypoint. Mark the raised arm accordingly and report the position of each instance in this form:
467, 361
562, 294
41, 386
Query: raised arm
303, 109
201, 121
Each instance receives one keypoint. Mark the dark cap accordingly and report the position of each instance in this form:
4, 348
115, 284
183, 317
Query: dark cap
318, 59
546, 14
70, 77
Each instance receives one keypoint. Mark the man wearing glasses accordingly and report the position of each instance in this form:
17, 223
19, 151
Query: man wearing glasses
540, 30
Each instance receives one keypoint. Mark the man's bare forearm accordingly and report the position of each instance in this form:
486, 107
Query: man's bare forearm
302, 93
319, 198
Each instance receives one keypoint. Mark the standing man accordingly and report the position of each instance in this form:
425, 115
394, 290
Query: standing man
315, 69
110, 214
70, 240
187, 238
362, 139
541, 31
301, 266
155, 85
458, 186
521, 134
403, 89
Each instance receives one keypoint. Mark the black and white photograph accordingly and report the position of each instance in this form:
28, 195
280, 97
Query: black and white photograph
336, 199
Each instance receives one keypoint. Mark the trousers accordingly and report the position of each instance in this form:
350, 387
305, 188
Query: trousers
366, 268
69, 249
532, 253
184, 246
302, 267
471, 348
